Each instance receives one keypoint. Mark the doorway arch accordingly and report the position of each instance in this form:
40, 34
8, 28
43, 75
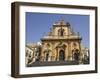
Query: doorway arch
47, 56
61, 55
75, 54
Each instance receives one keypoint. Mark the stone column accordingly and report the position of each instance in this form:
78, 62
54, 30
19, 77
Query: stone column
66, 53
69, 51
57, 54
80, 61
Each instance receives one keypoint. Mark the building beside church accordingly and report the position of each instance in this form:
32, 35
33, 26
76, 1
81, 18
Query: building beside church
61, 43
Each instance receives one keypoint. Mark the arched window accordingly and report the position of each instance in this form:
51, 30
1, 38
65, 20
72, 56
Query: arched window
61, 32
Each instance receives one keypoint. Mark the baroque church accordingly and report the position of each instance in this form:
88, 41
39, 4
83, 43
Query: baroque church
61, 43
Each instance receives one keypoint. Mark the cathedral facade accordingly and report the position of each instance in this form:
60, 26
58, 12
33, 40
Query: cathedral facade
61, 43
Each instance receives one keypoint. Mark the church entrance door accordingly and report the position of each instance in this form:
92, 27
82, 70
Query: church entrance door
61, 55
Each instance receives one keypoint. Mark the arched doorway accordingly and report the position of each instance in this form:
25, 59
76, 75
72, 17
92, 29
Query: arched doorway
47, 56
61, 55
76, 54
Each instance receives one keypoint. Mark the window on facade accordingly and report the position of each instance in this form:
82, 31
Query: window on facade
61, 32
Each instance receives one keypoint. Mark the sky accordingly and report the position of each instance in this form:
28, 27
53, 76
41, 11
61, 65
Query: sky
37, 24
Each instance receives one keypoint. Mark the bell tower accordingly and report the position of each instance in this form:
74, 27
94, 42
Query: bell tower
61, 28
